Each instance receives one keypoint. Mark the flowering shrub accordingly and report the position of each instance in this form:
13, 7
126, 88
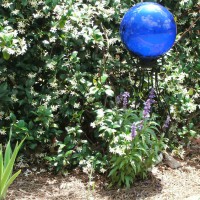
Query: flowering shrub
63, 68
133, 140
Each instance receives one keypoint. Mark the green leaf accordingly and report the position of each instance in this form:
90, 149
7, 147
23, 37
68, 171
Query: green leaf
191, 91
8, 183
109, 92
127, 181
1, 164
122, 164
13, 117
8, 169
104, 78
122, 176
7, 155
68, 153
6, 55
113, 171
93, 90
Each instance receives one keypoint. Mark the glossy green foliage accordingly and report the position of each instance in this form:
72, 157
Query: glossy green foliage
62, 64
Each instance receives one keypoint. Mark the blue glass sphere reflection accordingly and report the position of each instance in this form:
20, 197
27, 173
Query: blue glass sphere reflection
148, 30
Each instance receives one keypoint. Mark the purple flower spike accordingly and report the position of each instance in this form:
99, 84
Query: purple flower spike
140, 125
152, 95
147, 107
118, 99
166, 124
147, 104
125, 97
133, 130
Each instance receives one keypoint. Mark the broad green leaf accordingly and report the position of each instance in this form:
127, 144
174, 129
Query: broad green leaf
6, 55
113, 171
93, 90
104, 78
122, 176
68, 153
109, 92
127, 181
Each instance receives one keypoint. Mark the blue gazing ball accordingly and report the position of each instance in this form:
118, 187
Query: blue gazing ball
148, 30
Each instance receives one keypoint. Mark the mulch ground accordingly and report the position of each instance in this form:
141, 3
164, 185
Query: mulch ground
164, 184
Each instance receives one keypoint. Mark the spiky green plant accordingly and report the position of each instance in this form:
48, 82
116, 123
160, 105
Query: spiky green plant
6, 166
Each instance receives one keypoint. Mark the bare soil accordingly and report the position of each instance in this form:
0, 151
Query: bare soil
164, 183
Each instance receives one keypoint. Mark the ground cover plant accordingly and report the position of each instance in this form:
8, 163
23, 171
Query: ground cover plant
66, 80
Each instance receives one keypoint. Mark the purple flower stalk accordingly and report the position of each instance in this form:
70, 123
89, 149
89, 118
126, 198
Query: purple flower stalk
118, 99
166, 124
125, 97
140, 125
152, 95
133, 130
147, 107
147, 104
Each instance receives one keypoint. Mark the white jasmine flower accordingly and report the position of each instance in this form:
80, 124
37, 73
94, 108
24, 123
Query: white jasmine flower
15, 12
31, 75
15, 33
33, 3
53, 29
102, 170
2, 132
48, 98
38, 15
54, 85
41, 132
62, 91
27, 172
6, 4
51, 66
5, 22
100, 113
14, 98
76, 105
58, 9
45, 42
21, 24
52, 39
7, 118
79, 149
10, 51
93, 125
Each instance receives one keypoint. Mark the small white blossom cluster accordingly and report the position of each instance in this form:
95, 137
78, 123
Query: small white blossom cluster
16, 45
6, 4
117, 150
21, 163
87, 166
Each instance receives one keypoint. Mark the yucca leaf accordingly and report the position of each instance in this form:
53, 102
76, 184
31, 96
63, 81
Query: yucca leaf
7, 154
1, 165
8, 150
8, 169
8, 183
